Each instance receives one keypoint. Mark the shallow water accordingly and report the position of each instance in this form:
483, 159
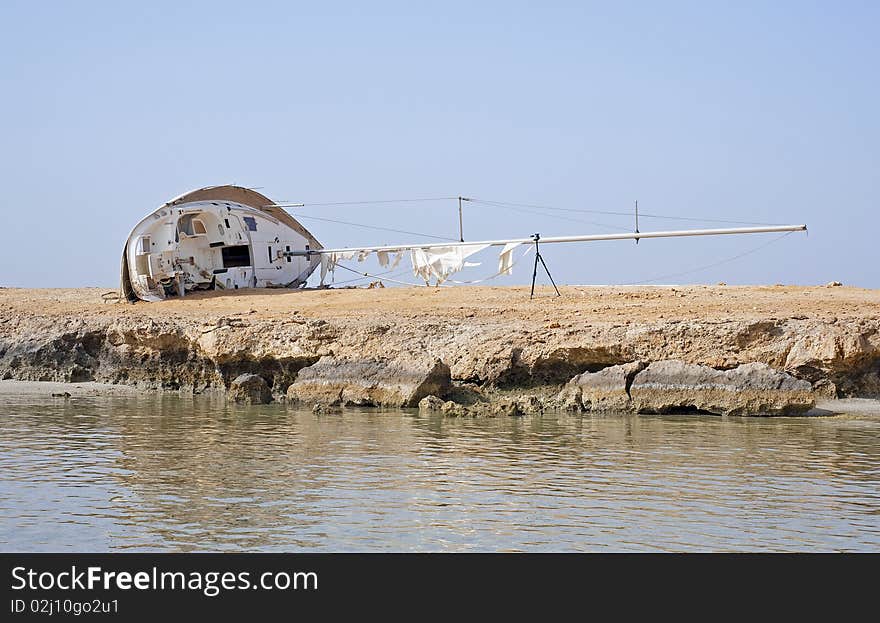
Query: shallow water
183, 474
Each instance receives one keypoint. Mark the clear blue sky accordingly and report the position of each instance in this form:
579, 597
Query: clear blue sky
752, 111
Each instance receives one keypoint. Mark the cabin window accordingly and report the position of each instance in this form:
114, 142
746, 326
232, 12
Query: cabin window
190, 226
287, 248
238, 255
251, 223
270, 254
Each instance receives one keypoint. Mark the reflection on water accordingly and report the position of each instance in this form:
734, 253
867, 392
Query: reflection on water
170, 473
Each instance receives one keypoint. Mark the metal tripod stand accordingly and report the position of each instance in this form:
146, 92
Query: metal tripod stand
538, 258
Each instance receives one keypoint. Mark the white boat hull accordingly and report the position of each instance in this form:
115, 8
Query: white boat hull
218, 238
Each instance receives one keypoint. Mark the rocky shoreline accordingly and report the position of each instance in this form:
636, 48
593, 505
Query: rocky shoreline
724, 350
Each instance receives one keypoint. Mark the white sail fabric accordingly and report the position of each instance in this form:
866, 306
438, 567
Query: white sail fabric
384, 258
440, 262
428, 263
505, 260
330, 260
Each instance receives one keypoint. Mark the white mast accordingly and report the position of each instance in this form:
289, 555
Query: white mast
554, 239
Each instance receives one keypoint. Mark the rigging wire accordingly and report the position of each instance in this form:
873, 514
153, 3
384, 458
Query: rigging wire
351, 203
384, 275
614, 228
520, 205
376, 227
406, 283
612, 213
714, 264
528, 208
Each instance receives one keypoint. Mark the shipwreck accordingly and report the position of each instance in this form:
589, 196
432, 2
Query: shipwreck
216, 238
229, 237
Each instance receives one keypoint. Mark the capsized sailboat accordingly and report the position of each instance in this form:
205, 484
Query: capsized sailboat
215, 238
229, 237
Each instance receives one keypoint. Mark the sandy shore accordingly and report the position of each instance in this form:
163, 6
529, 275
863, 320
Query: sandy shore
64, 390
579, 304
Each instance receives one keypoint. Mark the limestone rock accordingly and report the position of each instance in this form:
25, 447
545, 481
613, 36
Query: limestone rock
321, 409
431, 403
505, 408
249, 388
750, 389
846, 354
453, 409
602, 391
569, 399
374, 382
530, 405
490, 338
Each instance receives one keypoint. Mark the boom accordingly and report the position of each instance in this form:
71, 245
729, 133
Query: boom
554, 239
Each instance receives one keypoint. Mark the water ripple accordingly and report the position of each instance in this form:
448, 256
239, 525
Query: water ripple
166, 473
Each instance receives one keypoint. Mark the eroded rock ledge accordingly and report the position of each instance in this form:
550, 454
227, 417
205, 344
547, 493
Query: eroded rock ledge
632, 349
370, 382
675, 387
